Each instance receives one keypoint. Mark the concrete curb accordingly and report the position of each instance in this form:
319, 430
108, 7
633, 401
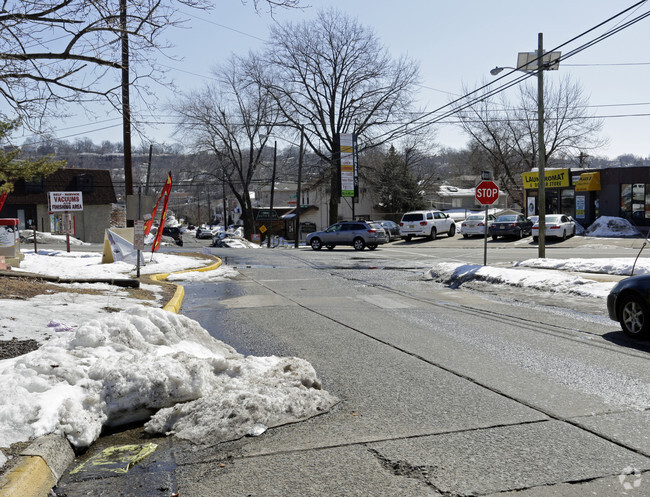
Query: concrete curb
174, 305
40, 466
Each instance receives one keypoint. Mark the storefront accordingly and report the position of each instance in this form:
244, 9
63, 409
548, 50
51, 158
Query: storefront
558, 189
586, 194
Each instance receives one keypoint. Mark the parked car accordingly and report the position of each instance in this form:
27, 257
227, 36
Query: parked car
174, 233
474, 224
359, 234
557, 226
391, 228
516, 225
628, 303
204, 233
426, 223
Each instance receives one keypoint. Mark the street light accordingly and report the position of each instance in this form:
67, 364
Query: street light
531, 62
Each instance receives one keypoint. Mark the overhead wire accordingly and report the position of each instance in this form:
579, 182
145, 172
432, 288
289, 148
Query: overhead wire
520, 78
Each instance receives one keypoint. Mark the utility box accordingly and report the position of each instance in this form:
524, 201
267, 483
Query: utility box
10, 241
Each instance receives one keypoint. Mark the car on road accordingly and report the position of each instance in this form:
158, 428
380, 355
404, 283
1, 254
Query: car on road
426, 223
511, 225
358, 234
628, 303
474, 224
204, 233
175, 234
557, 226
391, 228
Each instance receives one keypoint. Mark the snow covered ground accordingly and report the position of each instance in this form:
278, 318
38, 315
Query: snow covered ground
100, 367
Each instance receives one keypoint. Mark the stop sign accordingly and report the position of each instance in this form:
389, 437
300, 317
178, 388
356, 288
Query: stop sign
487, 192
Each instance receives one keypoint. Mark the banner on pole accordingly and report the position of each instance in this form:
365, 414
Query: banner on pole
167, 188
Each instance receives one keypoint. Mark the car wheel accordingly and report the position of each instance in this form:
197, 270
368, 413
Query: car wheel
564, 235
495, 237
632, 316
358, 244
408, 238
535, 239
432, 235
452, 231
520, 235
388, 237
330, 246
372, 247
465, 235
316, 244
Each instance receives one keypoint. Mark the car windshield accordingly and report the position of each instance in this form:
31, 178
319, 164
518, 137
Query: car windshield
506, 219
553, 219
475, 218
412, 217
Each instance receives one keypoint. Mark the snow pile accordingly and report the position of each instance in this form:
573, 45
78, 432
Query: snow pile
457, 275
222, 273
617, 227
89, 264
27, 236
125, 367
620, 266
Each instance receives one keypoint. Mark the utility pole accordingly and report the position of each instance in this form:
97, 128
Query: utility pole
298, 193
146, 187
126, 107
541, 190
275, 158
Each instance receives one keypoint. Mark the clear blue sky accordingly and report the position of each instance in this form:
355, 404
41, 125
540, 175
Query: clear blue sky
456, 45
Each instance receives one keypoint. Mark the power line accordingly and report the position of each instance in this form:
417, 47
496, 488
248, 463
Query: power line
519, 78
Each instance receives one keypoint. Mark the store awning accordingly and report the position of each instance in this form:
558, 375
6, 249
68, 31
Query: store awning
588, 182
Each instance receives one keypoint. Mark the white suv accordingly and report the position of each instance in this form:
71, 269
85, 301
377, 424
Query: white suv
426, 223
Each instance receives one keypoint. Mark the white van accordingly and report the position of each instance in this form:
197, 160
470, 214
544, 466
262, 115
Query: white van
426, 223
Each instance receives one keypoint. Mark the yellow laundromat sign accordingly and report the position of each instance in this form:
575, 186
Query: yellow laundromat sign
554, 178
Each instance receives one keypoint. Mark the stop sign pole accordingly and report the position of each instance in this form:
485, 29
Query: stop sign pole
487, 192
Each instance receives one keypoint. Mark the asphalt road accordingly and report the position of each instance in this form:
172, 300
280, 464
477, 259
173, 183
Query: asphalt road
442, 392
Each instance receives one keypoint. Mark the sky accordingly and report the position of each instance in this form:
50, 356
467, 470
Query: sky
456, 45
98, 366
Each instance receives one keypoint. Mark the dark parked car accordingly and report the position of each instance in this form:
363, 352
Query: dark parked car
359, 234
628, 303
516, 225
174, 233
391, 228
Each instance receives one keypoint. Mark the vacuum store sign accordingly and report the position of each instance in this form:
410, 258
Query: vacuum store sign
554, 178
65, 201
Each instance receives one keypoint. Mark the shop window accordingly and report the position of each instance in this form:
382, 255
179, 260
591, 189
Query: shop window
568, 202
635, 201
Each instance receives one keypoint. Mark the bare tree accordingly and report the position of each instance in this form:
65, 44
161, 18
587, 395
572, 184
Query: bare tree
507, 133
331, 76
233, 120
55, 52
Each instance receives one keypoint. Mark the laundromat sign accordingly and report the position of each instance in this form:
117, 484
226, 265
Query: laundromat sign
554, 178
66, 201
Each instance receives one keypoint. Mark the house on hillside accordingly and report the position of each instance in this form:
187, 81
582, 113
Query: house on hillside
29, 203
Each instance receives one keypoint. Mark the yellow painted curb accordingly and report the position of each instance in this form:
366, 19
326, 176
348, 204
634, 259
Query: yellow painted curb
30, 477
174, 305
